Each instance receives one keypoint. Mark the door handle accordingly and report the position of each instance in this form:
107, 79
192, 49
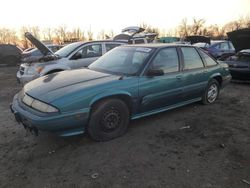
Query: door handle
205, 71
178, 77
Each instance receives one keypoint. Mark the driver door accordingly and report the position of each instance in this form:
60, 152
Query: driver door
86, 55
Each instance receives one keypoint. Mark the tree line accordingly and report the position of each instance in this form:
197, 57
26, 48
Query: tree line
62, 34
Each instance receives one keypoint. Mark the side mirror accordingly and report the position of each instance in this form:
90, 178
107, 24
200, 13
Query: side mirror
155, 72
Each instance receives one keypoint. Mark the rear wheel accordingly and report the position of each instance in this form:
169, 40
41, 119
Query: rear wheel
211, 93
109, 119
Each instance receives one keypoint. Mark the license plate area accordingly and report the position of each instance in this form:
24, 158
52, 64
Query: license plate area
26, 124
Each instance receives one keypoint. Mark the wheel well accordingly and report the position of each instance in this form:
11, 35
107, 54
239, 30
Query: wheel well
53, 71
218, 79
125, 98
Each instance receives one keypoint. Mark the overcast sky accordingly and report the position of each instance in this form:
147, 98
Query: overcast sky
115, 14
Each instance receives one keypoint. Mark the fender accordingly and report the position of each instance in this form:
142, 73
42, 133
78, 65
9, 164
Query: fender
215, 75
55, 67
109, 93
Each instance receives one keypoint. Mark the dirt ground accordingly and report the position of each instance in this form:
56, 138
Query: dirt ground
196, 146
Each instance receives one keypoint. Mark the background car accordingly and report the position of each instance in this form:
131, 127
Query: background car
128, 82
218, 48
10, 55
73, 56
239, 64
34, 53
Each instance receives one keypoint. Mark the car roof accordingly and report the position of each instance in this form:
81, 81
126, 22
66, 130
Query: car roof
94, 41
159, 45
217, 41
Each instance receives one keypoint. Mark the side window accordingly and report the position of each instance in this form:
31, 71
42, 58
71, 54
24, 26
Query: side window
192, 59
231, 46
92, 50
139, 41
110, 46
224, 46
216, 46
208, 60
167, 60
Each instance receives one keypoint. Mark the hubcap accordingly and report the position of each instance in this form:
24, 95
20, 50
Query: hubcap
111, 120
212, 93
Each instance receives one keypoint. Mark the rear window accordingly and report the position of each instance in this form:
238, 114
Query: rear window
192, 59
207, 59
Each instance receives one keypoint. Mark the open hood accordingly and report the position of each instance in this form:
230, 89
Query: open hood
196, 38
133, 30
38, 44
240, 39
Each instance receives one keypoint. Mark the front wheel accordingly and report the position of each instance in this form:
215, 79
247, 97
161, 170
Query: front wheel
211, 93
109, 119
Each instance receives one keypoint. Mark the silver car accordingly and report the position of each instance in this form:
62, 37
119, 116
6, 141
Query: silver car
72, 56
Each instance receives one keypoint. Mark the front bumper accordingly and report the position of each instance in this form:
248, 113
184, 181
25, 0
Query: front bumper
240, 73
24, 78
62, 124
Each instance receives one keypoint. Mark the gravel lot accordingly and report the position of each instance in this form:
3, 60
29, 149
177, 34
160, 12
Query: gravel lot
196, 146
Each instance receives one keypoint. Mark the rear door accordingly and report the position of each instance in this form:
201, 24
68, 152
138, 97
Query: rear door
194, 74
86, 55
165, 90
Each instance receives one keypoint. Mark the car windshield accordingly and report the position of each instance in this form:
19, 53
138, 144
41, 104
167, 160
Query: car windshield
67, 50
122, 60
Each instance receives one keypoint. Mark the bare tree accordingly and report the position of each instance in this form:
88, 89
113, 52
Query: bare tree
8, 36
48, 34
148, 28
197, 26
184, 29
90, 35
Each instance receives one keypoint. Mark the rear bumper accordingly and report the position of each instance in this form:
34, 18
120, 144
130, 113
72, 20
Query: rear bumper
62, 124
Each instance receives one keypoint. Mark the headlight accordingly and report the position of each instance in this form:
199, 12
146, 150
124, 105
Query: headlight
38, 105
39, 69
31, 71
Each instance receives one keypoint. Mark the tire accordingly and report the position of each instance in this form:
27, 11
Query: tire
109, 119
211, 93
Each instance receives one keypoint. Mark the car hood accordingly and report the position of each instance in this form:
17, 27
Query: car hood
65, 81
195, 39
38, 44
240, 39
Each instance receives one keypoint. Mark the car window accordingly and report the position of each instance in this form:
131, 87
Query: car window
110, 46
192, 59
167, 60
231, 46
139, 41
216, 46
224, 46
122, 60
92, 50
208, 60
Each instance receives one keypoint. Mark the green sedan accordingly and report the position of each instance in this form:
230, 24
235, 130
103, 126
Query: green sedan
128, 82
